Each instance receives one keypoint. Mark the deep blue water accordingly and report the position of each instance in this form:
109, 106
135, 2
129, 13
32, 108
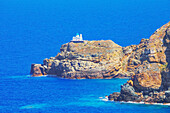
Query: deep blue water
31, 30
26, 94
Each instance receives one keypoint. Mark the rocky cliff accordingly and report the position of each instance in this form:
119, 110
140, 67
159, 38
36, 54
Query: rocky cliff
90, 59
150, 81
146, 63
94, 59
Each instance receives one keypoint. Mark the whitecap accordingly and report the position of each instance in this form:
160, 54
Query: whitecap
104, 99
16, 77
147, 103
42, 76
34, 106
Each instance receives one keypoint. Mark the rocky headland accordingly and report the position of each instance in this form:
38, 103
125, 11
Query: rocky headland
151, 80
87, 60
146, 64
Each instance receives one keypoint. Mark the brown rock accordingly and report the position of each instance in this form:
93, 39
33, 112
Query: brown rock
37, 70
130, 82
152, 73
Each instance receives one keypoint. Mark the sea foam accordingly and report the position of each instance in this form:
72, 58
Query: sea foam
34, 106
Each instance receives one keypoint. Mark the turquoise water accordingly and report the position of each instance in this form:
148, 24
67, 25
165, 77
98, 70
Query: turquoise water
31, 30
44, 94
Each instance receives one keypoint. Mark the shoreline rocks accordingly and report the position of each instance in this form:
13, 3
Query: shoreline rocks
37, 70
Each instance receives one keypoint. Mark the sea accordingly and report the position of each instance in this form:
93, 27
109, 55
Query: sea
32, 30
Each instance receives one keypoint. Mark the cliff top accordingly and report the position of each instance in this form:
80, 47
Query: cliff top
89, 46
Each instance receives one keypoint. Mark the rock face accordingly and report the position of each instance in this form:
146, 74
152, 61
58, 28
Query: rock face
102, 59
150, 63
37, 70
91, 59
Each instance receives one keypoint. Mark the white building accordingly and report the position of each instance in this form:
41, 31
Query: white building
78, 38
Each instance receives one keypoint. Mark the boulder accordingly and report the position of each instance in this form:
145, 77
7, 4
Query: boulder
114, 96
37, 70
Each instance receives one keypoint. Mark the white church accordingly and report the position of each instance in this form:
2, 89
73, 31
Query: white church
77, 39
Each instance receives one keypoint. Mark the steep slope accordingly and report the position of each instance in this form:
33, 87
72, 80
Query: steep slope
151, 79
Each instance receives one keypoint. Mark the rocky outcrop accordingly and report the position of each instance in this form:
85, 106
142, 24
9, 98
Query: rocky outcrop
94, 59
148, 65
37, 70
149, 61
91, 59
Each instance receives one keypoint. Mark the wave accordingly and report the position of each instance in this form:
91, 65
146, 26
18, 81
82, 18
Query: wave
16, 76
34, 106
21, 77
104, 98
131, 102
147, 103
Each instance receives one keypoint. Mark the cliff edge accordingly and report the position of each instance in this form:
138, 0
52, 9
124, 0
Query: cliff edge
151, 79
